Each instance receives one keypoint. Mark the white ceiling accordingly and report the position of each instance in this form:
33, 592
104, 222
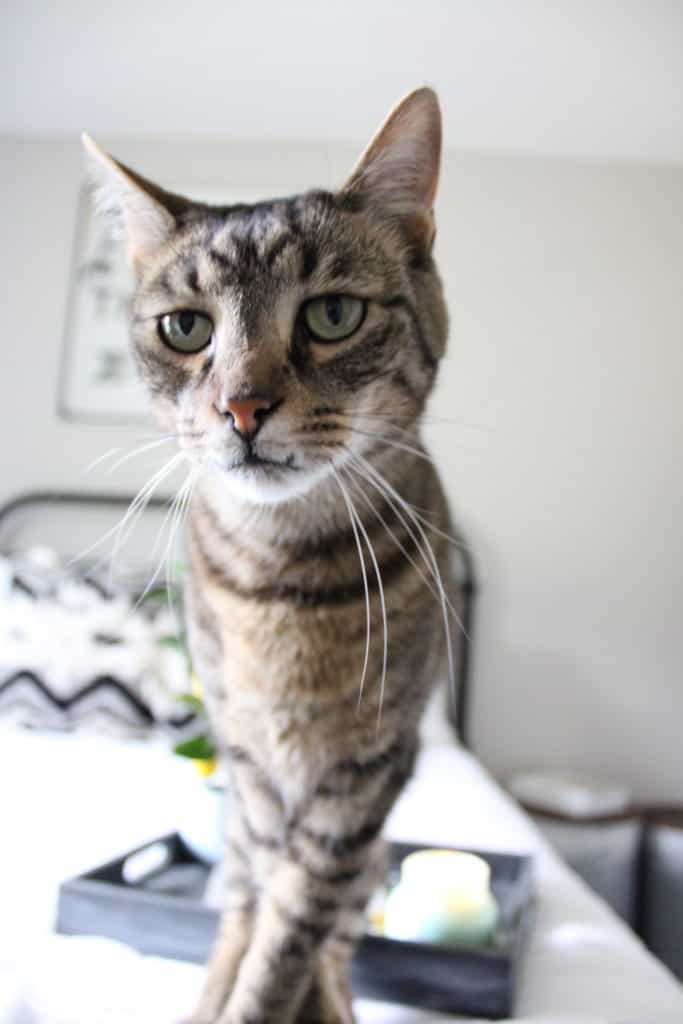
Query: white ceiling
574, 78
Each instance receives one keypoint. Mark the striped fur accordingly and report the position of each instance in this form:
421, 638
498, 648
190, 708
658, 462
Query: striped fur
314, 604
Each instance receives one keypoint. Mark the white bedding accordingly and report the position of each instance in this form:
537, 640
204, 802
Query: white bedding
68, 804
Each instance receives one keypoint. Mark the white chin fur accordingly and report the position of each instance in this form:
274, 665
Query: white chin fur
268, 488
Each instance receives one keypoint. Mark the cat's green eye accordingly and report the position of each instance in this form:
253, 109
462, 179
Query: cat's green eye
333, 317
186, 331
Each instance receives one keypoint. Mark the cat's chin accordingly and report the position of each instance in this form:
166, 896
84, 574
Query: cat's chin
268, 485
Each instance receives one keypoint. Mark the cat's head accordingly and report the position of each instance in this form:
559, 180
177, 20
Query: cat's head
281, 339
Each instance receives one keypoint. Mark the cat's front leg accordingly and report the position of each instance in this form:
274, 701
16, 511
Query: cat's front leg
328, 1000
228, 950
235, 928
326, 869
296, 914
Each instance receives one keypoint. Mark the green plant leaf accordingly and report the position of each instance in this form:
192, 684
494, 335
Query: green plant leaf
198, 748
159, 594
192, 702
174, 642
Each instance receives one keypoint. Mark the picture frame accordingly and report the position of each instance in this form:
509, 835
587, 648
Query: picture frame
98, 380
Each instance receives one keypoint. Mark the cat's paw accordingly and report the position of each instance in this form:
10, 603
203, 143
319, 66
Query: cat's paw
209, 1010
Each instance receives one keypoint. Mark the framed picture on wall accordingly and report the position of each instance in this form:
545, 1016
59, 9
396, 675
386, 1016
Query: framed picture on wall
98, 379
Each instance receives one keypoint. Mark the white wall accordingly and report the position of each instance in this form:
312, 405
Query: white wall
562, 441
571, 78
566, 290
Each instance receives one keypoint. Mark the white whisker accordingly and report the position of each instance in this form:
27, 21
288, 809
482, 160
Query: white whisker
139, 504
117, 527
427, 553
184, 506
140, 451
380, 588
171, 518
440, 533
428, 419
392, 443
102, 458
166, 521
363, 570
399, 544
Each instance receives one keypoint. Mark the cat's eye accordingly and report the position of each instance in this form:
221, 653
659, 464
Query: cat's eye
186, 331
333, 317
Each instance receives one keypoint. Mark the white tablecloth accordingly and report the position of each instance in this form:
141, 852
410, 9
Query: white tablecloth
68, 804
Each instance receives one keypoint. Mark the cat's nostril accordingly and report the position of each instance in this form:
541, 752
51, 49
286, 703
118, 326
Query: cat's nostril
248, 414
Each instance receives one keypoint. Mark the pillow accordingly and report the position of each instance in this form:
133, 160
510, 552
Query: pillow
78, 653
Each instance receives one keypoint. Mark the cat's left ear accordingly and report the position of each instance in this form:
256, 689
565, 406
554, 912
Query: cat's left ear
399, 171
145, 214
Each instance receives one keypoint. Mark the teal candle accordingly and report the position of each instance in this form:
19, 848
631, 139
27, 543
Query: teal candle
443, 896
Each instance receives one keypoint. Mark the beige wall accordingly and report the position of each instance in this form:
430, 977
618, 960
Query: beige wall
559, 433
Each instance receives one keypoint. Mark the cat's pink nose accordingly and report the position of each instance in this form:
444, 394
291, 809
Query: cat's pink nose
248, 414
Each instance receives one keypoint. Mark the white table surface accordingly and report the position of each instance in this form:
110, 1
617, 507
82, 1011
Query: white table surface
69, 804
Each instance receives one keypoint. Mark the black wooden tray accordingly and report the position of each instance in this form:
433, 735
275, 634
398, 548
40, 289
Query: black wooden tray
151, 900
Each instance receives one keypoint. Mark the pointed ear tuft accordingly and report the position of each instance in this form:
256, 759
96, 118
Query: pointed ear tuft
144, 214
399, 170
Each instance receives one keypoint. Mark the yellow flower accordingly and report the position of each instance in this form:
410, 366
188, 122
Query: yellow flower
196, 687
205, 765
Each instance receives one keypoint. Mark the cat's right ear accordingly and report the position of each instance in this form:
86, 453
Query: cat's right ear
144, 214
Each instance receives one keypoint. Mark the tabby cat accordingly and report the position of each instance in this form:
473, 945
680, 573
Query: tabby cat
290, 346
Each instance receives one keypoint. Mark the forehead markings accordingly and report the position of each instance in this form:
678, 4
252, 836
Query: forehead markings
309, 259
163, 282
240, 254
341, 266
178, 272
286, 239
240, 241
192, 279
257, 235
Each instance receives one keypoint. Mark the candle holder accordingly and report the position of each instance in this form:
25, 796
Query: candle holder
443, 896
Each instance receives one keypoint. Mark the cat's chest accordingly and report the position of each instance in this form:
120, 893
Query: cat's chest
284, 652
290, 743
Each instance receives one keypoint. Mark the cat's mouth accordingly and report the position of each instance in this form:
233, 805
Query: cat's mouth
252, 461
253, 475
